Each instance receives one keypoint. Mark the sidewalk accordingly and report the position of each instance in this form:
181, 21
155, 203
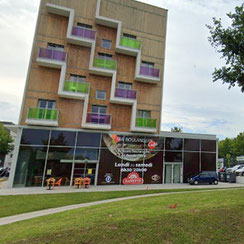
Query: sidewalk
25, 216
67, 189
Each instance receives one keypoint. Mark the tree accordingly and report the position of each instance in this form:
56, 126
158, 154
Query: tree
230, 43
238, 144
226, 147
177, 129
5, 140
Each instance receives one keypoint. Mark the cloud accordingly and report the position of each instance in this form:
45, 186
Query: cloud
190, 98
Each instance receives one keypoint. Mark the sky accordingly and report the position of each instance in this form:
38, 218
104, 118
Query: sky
190, 99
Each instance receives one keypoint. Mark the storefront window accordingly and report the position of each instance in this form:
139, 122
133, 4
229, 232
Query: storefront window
62, 138
173, 143
208, 161
59, 164
35, 137
191, 145
173, 157
86, 139
208, 145
30, 166
86, 154
191, 165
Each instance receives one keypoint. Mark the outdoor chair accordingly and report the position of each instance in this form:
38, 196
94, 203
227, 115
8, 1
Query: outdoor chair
86, 182
78, 182
58, 183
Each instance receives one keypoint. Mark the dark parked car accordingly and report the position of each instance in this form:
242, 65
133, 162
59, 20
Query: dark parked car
204, 177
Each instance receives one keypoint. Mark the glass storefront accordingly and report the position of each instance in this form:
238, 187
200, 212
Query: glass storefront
109, 158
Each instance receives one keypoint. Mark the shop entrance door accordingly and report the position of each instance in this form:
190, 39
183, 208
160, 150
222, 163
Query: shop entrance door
85, 169
173, 173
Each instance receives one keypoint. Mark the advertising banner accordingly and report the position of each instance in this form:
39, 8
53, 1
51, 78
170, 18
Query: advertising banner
127, 159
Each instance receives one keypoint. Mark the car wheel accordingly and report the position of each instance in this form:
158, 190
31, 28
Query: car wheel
195, 182
242, 173
216, 182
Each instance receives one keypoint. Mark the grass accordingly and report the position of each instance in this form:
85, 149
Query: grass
17, 204
203, 217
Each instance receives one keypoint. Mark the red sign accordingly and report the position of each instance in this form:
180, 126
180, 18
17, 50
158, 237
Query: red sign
152, 144
133, 178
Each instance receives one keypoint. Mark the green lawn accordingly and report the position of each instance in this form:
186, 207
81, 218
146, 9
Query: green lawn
203, 217
12, 205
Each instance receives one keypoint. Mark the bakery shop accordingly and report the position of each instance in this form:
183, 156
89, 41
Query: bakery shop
111, 158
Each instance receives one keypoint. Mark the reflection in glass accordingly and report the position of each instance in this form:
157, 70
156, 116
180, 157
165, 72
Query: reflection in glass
85, 170
30, 166
86, 154
35, 137
62, 138
173, 143
59, 164
87, 139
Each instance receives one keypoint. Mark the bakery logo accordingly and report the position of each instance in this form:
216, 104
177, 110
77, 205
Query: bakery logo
155, 178
115, 139
133, 178
152, 144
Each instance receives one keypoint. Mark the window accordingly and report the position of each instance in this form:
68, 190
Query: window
124, 85
144, 114
129, 36
77, 78
105, 56
101, 95
87, 139
147, 64
46, 104
84, 25
55, 46
99, 109
106, 44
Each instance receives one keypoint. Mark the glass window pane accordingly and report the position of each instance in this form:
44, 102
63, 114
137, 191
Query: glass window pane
192, 145
129, 36
173, 143
86, 154
84, 25
173, 156
30, 166
51, 105
59, 164
144, 114
208, 161
191, 165
35, 137
62, 138
86, 139
103, 110
208, 145
106, 44
42, 103
55, 46
101, 95
95, 108
61, 153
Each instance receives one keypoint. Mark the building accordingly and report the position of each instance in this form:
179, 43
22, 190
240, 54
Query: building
93, 98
